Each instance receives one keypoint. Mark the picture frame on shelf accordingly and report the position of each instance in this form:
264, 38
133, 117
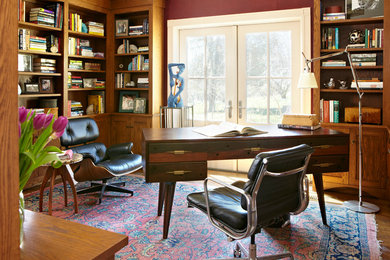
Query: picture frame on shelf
31, 88
127, 101
89, 82
140, 105
364, 8
25, 63
121, 27
46, 85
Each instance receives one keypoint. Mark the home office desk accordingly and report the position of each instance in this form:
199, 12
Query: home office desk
179, 154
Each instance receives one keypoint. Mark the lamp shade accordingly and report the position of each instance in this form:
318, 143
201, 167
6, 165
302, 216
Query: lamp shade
307, 80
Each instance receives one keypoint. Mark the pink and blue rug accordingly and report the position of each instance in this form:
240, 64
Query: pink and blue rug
349, 236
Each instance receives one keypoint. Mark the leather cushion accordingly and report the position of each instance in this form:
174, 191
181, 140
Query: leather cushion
79, 131
122, 164
95, 151
225, 206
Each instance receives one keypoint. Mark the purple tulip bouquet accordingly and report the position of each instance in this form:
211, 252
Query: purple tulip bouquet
35, 153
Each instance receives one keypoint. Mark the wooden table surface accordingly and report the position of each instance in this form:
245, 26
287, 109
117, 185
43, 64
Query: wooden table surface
47, 237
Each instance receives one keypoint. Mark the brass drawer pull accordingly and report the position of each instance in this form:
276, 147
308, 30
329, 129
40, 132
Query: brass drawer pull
323, 165
181, 172
253, 149
177, 152
324, 146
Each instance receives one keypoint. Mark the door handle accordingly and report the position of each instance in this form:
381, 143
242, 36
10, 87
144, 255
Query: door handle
240, 108
230, 108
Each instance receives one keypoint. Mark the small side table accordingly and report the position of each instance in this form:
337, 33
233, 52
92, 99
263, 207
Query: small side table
67, 174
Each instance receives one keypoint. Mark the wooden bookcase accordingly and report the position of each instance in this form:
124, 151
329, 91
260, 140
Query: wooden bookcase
376, 175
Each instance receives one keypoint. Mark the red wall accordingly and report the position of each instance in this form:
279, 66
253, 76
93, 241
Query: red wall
177, 9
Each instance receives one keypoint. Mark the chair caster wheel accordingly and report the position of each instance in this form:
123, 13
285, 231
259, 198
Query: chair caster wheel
237, 253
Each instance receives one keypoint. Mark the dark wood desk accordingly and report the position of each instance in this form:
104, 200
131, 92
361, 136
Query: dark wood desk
47, 237
179, 154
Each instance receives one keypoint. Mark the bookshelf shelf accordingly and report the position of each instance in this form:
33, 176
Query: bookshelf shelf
85, 57
349, 68
132, 54
85, 89
39, 53
38, 95
34, 26
137, 89
132, 36
352, 90
354, 50
87, 71
88, 35
90, 115
28, 73
132, 71
354, 21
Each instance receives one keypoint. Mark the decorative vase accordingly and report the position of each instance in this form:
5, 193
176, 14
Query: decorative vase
21, 217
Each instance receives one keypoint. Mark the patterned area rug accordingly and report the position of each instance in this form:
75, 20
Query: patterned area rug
349, 236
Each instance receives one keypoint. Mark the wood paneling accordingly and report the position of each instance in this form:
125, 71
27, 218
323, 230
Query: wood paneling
98, 5
119, 4
9, 176
386, 67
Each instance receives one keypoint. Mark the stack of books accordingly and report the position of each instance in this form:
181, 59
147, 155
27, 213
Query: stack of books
363, 59
143, 49
330, 111
333, 16
44, 65
136, 30
37, 43
142, 82
76, 109
79, 46
100, 84
95, 28
92, 66
300, 121
374, 83
42, 16
76, 82
75, 64
334, 63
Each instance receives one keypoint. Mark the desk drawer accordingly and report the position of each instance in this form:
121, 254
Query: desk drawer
329, 163
175, 152
167, 172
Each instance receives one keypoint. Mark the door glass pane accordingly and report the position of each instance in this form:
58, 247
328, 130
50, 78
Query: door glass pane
216, 99
196, 54
215, 56
256, 54
256, 111
280, 99
280, 53
196, 97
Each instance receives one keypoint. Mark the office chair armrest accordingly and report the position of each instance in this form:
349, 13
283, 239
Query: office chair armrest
124, 148
252, 218
304, 196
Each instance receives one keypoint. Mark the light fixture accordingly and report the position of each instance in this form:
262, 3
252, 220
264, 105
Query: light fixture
305, 80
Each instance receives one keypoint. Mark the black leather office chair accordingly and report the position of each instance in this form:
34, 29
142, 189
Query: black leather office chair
277, 186
99, 163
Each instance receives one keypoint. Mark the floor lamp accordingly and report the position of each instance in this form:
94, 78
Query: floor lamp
307, 80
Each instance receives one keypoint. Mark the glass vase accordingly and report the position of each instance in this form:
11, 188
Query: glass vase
21, 217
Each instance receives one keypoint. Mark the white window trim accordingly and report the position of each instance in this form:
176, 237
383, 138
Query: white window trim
302, 15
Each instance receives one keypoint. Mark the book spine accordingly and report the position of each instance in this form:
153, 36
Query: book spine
337, 38
326, 111
331, 111
336, 109
321, 110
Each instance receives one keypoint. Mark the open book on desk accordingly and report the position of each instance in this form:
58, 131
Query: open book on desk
227, 129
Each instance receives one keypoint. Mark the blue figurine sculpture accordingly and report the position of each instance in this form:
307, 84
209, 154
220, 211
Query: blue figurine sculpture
177, 84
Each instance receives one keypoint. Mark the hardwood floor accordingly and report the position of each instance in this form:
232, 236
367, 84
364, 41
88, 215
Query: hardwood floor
339, 196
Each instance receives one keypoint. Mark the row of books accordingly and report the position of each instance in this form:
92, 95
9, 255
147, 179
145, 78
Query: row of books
334, 63
373, 38
27, 41
97, 103
122, 80
139, 62
44, 65
58, 10
79, 46
80, 82
330, 111
49, 15
128, 47
76, 24
330, 38
75, 64
139, 29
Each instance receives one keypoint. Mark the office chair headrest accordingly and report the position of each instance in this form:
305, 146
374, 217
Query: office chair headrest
79, 131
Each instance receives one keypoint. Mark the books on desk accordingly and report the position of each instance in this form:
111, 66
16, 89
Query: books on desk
226, 129
299, 127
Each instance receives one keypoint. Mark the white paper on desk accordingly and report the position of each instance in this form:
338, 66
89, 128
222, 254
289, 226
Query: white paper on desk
227, 129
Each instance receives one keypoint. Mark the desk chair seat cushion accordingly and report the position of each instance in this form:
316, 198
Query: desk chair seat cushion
122, 164
225, 205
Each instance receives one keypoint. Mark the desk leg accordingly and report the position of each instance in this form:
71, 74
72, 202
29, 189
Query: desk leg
168, 201
53, 177
64, 183
161, 194
68, 175
43, 185
320, 195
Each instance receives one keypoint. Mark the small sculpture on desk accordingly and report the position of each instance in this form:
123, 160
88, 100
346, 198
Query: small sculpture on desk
343, 84
331, 84
176, 83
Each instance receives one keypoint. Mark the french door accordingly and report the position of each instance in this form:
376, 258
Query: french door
244, 74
